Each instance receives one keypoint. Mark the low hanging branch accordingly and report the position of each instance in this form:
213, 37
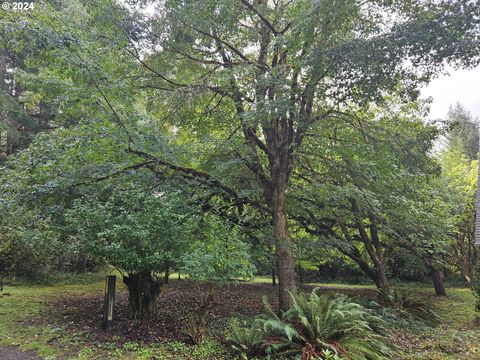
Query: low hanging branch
113, 174
202, 177
152, 161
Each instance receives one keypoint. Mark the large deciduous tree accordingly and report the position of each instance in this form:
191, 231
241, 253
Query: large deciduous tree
284, 66
260, 72
368, 185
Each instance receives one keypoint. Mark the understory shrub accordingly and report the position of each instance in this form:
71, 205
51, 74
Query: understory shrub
315, 327
19, 259
197, 320
409, 306
246, 341
476, 286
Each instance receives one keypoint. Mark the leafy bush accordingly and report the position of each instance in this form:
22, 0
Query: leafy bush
407, 305
246, 341
17, 258
315, 327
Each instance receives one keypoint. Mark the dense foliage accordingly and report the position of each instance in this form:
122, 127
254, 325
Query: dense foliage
228, 104
314, 327
145, 234
218, 139
410, 306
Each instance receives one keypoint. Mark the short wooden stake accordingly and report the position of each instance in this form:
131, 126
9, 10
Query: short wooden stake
109, 302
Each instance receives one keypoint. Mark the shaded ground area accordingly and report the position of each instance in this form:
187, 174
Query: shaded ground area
13, 353
174, 311
62, 321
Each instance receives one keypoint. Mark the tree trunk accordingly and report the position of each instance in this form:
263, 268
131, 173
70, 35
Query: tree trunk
81, 267
274, 280
300, 274
283, 244
437, 279
377, 272
436, 274
166, 276
465, 256
143, 290
380, 279
468, 275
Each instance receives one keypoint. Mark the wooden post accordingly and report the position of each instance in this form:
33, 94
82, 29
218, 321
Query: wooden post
109, 302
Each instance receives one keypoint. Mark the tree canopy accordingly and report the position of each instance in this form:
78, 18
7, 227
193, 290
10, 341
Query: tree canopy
260, 111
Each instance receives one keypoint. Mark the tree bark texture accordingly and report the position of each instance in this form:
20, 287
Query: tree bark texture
283, 246
166, 276
437, 279
143, 290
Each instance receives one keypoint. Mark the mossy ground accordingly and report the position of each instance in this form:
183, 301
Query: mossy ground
25, 321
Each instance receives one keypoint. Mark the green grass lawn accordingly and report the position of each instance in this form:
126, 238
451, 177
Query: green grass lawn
20, 305
24, 323
458, 337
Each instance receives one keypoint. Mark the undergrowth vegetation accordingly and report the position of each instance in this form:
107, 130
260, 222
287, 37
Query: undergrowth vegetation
26, 321
315, 327
407, 305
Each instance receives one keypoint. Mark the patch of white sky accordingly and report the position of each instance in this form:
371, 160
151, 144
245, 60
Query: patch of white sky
458, 86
